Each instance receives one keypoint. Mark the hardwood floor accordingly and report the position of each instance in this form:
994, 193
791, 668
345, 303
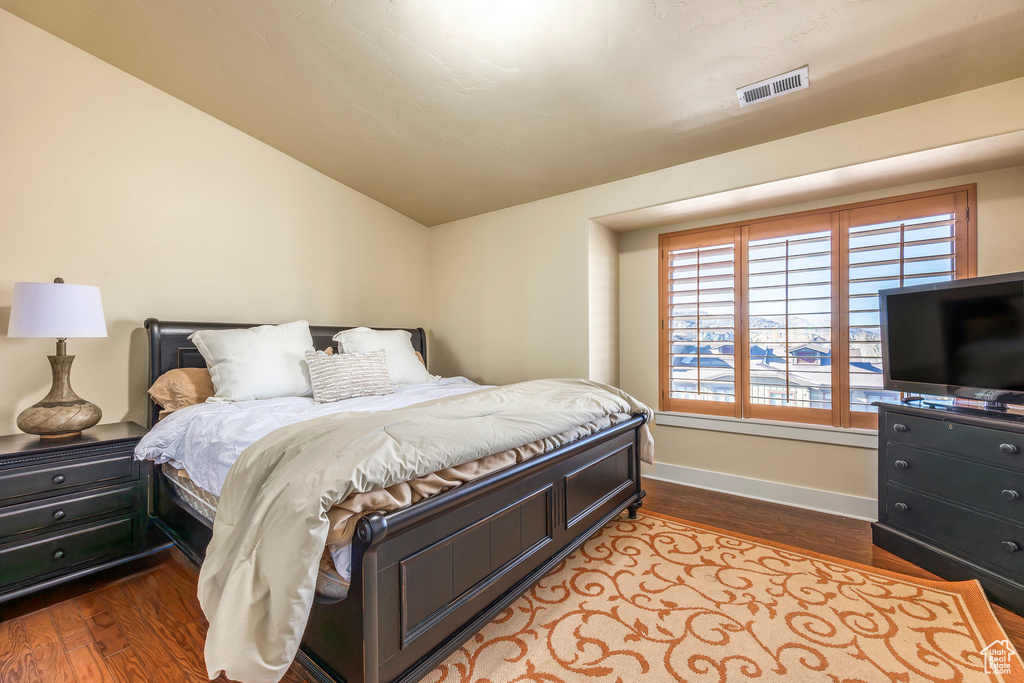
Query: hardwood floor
144, 625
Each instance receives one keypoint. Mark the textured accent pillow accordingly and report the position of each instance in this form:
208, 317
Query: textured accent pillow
403, 365
336, 376
267, 361
181, 388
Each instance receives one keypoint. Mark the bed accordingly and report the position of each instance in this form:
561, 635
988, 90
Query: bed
426, 578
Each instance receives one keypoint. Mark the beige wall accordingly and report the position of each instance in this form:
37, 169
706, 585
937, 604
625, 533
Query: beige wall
509, 296
105, 180
603, 303
821, 466
533, 260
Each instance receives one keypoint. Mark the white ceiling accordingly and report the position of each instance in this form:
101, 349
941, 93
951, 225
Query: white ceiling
444, 109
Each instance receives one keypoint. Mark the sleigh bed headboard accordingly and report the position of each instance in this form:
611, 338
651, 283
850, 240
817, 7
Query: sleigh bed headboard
169, 347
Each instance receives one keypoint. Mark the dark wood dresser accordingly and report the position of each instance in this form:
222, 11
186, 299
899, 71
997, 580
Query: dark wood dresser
72, 508
950, 487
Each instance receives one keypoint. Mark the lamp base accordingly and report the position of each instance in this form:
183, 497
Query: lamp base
62, 414
60, 437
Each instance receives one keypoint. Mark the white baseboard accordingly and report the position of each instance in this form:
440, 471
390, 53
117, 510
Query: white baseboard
841, 504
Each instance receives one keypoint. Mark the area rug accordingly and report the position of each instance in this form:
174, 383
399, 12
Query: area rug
659, 599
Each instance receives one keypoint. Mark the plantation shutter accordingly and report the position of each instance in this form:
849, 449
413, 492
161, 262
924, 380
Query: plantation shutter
894, 244
698, 336
789, 301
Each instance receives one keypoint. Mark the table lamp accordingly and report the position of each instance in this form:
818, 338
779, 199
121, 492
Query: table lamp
61, 311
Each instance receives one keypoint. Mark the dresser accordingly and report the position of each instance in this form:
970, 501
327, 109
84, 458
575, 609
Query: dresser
72, 508
950, 489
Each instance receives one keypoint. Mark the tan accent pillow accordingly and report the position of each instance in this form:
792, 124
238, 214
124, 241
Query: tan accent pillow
181, 388
338, 376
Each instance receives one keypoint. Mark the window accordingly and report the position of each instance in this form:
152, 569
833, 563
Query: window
701, 314
778, 318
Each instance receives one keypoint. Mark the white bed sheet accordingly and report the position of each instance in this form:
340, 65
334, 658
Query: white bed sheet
205, 440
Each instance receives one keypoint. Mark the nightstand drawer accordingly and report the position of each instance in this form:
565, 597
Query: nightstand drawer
987, 488
67, 509
990, 540
994, 446
56, 476
62, 551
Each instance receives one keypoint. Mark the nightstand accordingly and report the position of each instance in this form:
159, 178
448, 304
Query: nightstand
72, 508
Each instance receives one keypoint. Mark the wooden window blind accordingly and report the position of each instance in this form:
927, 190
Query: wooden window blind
789, 295
895, 244
778, 318
699, 327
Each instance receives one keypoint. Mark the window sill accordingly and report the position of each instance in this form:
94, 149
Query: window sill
857, 438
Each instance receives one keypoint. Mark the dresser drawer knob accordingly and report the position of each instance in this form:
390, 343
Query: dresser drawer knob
58, 515
58, 479
902, 507
1008, 449
900, 427
58, 555
1010, 494
1010, 546
902, 464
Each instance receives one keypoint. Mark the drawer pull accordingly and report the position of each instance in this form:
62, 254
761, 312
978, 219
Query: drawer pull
902, 507
1010, 546
901, 464
900, 427
58, 515
58, 479
1010, 494
1008, 449
58, 555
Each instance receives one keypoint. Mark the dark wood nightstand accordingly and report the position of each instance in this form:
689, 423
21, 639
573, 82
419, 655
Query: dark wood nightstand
72, 508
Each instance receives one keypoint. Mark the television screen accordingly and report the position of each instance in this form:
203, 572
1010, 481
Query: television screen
961, 335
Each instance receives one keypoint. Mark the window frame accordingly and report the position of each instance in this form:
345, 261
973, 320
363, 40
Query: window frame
739, 234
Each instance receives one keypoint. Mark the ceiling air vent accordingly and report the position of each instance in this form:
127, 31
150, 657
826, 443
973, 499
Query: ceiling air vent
773, 87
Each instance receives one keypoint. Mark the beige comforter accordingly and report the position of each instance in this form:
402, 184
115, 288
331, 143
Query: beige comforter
258, 581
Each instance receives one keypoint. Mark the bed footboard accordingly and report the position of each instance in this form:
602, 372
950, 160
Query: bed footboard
427, 578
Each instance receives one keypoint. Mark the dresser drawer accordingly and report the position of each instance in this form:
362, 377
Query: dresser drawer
987, 488
56, 476
62, 551
984, 444
67, 509
988, 539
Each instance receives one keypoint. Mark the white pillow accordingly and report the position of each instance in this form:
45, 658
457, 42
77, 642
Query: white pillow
259, 362
403, 365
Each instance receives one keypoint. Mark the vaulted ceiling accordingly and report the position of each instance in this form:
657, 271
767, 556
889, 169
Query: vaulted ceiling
444, 109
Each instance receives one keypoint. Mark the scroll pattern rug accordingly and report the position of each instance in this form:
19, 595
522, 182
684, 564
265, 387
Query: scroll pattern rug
659, 599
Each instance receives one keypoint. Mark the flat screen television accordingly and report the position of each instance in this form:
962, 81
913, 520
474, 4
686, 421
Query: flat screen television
963, 338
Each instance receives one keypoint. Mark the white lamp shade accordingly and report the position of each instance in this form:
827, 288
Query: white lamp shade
56, 310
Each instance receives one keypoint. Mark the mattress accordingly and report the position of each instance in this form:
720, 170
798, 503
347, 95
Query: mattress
329, 582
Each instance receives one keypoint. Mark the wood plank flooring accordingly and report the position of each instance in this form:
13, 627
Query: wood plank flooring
144, 625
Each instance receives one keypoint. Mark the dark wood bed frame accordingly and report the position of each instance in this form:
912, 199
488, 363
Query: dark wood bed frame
426, 578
